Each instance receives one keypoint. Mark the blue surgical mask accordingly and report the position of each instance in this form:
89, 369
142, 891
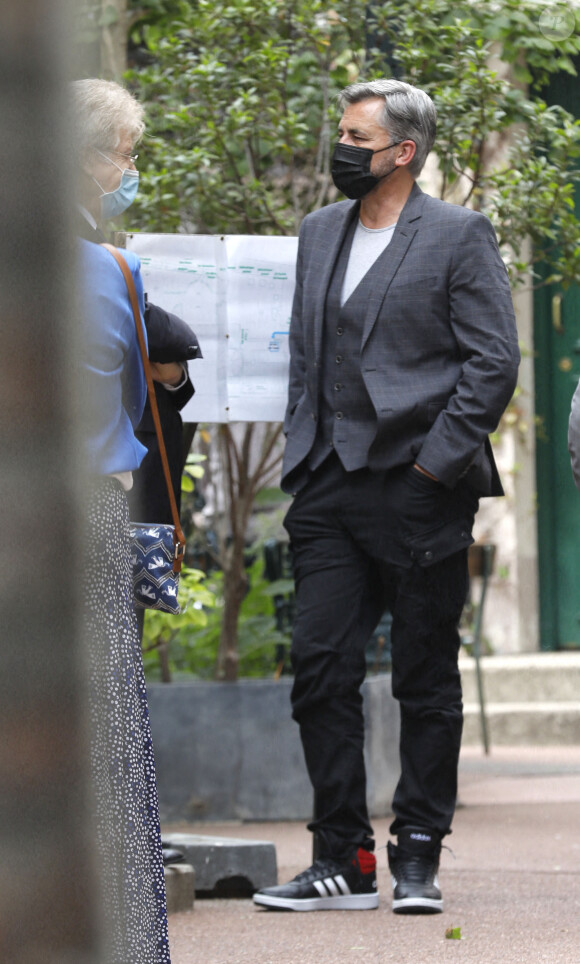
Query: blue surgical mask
115, 202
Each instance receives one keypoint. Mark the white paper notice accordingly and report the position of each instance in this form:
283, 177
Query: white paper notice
235, 291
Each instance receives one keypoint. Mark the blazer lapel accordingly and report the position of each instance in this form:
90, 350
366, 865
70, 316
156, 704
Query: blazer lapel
333, 241
391, 259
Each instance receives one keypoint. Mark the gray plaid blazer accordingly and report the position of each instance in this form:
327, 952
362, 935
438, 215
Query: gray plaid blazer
439, 351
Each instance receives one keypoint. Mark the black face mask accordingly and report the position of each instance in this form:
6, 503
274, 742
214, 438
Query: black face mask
351, 169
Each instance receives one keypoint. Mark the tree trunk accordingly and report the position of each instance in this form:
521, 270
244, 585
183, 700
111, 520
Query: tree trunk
235, 588
102, 38
247, 464
164, 661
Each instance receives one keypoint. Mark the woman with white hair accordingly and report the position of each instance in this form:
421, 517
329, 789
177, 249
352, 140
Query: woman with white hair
108, 122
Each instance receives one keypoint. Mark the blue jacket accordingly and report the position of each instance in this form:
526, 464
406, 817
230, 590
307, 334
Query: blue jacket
113, 381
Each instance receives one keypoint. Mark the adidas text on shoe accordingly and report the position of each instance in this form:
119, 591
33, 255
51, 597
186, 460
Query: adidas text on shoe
327, 885
415, 881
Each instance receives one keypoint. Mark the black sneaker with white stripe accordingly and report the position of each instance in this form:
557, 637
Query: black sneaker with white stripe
327, 885
414, 866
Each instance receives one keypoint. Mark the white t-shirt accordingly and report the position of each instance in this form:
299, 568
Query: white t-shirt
367, 245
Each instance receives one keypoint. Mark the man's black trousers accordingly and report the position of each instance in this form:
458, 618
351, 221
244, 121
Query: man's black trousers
350, 564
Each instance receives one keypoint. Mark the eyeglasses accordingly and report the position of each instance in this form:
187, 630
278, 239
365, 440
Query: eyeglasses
132, 157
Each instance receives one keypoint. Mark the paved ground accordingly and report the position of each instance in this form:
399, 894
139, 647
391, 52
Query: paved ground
512, 886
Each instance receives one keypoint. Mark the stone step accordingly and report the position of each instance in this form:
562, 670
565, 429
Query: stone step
227, 866
179, 887
523, 678
524, 724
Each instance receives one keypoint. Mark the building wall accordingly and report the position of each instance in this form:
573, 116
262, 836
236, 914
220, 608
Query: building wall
510, 523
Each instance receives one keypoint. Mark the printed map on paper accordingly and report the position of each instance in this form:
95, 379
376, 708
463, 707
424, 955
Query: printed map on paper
235, 291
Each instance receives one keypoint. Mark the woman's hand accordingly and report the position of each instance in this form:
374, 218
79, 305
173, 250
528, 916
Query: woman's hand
169, 373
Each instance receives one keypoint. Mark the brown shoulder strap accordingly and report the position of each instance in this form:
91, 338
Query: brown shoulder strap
179, 537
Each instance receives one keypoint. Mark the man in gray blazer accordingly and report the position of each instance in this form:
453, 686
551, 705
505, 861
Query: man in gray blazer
404, 355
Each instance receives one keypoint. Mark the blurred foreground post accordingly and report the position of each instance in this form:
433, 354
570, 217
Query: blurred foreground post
47, 904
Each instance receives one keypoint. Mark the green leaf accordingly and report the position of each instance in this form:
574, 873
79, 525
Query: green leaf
281, 587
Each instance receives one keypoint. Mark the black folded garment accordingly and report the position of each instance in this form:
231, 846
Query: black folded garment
169, 338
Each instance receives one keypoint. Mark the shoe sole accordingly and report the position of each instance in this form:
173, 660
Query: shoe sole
346, 902
417, 905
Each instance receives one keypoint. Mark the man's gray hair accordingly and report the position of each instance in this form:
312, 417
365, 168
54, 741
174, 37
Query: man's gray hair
103, 112
409, 114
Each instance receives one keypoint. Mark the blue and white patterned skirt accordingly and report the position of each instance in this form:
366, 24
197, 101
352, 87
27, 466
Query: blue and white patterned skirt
122, 766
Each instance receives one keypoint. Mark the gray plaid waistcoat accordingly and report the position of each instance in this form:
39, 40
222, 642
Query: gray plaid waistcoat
346, 417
